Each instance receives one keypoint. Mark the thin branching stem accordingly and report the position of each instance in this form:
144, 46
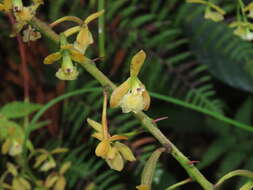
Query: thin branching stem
146, 121
181, 183
104, 119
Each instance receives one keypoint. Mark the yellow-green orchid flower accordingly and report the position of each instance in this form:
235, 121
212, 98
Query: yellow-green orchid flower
45, 160
12, 146
213, 15
23, 14
18, 179
112, 151
243, 30
6, 6
212, 11
249, 8
13, 141
132, 94
84, 37
30, 34
67, 53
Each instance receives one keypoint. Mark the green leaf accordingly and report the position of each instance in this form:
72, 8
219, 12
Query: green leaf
202, 110
5, 125
231, 161
214, 152
17, 109
228, 57
247, 186
244, 114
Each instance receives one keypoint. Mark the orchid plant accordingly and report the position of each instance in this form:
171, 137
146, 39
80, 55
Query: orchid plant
132, 96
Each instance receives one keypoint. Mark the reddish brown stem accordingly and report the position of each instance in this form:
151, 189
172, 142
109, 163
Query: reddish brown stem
160, 119
22, 52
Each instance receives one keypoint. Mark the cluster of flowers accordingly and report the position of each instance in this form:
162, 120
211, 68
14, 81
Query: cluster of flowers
23, 15
243, 28
131, 95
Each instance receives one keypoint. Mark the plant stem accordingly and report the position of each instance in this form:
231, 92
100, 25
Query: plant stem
101, 30
203, 110
193, 172
45, 29
25, 73
22, 52
97, 74
188, 180
104, 119
241, 4
243, 173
